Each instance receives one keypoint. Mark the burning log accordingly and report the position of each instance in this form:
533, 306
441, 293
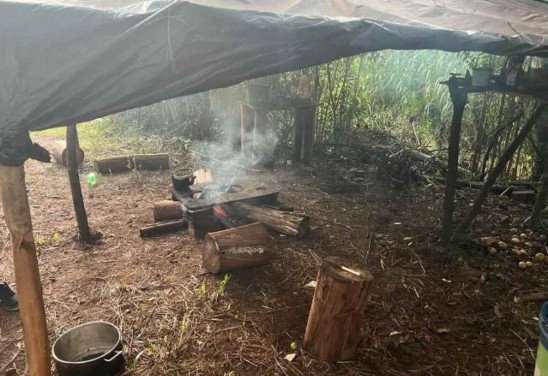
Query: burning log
333, 328
127, 163
236, 248
166, 210
163, 228
288, 223
203, 221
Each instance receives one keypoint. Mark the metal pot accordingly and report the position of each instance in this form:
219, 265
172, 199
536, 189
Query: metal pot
90, 349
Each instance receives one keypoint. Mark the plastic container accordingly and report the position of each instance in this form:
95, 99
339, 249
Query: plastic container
481, 77
541, 367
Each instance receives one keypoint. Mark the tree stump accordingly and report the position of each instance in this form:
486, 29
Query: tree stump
333, 328
236, 248
166, 210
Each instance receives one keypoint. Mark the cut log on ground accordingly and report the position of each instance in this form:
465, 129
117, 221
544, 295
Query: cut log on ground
333, 328
236, 248
114, 165
150, 162
161, 228
166, 210
203, 221
59, 153
288, 223
524, 196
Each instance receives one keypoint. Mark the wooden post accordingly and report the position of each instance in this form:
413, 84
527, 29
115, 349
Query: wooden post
298, 139
75, 188
333, 328
246, 129
499, 167
27, 277
542, 195
458, 97
259, 131
308, 120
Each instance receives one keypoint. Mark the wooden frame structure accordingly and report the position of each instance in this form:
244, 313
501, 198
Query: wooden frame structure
459, 88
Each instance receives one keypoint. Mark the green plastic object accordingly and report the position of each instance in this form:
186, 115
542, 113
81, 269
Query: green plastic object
541, 367
92, 178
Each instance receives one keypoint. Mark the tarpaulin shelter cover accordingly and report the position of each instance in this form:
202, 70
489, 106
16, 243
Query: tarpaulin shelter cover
78, 60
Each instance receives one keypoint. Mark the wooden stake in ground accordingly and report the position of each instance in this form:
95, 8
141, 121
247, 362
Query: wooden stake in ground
459, 97
236, 248
75, 188
494, 174
333, 328
27, 277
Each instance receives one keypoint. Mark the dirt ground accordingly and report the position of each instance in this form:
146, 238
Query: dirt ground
432, 311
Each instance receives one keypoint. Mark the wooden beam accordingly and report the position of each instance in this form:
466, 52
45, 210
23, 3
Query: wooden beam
75, 187
459, 97
27, 277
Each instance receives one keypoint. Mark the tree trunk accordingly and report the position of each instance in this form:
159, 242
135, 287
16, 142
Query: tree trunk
285, 222
333, 329
236, 248
75, 187
499, 167
459, 98
166, 210
542, 195
246, 129
27, 276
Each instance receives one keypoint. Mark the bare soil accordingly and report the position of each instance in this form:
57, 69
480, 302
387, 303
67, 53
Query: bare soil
432, 311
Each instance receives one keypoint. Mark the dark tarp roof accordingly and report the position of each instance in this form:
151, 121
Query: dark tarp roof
64, 63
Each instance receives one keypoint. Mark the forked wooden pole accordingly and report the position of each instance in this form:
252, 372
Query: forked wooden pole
27, 277
459, 97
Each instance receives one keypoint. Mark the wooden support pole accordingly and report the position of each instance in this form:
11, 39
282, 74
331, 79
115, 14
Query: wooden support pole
542, 195
75, 188
333, 328
259, 132
308, 120
499, 167
298, 139
246, 129
27, 277
458, 97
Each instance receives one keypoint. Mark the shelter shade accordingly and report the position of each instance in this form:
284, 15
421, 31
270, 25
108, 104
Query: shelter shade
66, 64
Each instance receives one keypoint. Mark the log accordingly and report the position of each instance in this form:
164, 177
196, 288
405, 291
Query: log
161, 228
166, 210
151, 162
203, 221
59, 153
27, 276
524, 196
333, 329
288, 223
114, 164
236, 248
